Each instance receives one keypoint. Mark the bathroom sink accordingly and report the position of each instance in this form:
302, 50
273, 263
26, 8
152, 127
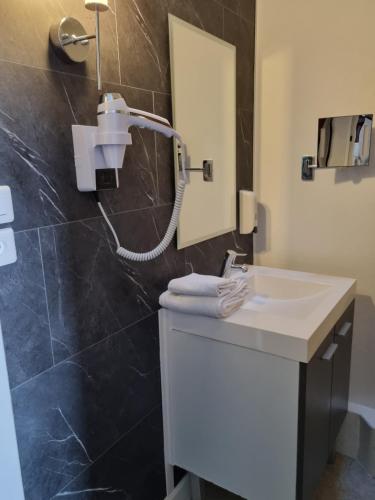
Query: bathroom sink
286, 313
287, 294
265, 288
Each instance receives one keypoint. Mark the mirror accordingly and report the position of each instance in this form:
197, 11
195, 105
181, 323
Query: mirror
203, 74
344, 141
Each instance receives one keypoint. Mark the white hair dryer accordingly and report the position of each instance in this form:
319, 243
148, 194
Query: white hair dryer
99, 152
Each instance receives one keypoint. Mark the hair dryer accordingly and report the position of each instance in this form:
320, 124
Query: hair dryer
99, 152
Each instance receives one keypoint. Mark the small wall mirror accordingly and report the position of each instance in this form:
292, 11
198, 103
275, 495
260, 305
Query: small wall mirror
203, 74
344, 141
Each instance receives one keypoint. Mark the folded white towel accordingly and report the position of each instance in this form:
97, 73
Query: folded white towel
201, 285
215, 307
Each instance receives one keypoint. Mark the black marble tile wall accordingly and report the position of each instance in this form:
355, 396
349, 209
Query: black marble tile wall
79, 324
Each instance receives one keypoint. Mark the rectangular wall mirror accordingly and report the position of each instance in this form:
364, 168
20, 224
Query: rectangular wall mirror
203, 74
344, 141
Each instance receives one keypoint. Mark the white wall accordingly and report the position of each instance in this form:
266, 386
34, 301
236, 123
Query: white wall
10, 472
316, 58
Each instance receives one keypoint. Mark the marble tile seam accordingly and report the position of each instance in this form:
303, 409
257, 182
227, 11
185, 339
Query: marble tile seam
228, 9
75, 75
88, 219
107, 450
223, 22
69, 358
161, 92
46, 298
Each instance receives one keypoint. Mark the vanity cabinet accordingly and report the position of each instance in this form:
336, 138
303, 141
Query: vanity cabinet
343, 336
324, 392
259, 425
314, 419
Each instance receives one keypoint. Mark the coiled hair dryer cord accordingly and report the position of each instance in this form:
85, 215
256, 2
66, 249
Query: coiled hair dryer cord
165, 242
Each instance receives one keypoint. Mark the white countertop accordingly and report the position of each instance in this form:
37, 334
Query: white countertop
284, 323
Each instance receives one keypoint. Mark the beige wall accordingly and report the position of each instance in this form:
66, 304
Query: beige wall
317, 58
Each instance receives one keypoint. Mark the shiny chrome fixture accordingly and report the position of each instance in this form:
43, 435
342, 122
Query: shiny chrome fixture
230, 263
71, 40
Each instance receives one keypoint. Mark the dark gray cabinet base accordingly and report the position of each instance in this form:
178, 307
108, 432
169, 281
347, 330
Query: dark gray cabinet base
323, 403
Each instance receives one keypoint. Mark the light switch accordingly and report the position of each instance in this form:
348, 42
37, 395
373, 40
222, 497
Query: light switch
8, 252
6, 205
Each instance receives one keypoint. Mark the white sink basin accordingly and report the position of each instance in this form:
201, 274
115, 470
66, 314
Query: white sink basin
265, 288
286, 313
286, 294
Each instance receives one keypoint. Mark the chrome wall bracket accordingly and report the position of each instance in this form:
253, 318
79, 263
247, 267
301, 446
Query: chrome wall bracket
207, 170
70, 39
308, 168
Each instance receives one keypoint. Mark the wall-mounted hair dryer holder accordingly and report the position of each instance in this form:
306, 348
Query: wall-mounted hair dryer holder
99, 151
94, 173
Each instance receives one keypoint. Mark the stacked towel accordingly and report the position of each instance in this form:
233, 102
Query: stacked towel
205, 286
204, 295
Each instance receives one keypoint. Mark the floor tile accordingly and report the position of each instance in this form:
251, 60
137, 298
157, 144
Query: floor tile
344, 480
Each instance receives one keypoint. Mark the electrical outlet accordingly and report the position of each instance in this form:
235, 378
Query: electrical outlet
6, 205
8, 252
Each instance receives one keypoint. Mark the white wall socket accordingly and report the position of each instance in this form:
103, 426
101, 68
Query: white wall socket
8, 252
6, 205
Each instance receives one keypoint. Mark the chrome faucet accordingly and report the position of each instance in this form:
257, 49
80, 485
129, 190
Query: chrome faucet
230, 263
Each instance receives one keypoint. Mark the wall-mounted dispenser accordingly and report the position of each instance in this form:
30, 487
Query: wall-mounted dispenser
343, 141
248, 212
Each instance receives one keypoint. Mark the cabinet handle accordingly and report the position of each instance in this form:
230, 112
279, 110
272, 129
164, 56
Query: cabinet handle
345, 329
330, 352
